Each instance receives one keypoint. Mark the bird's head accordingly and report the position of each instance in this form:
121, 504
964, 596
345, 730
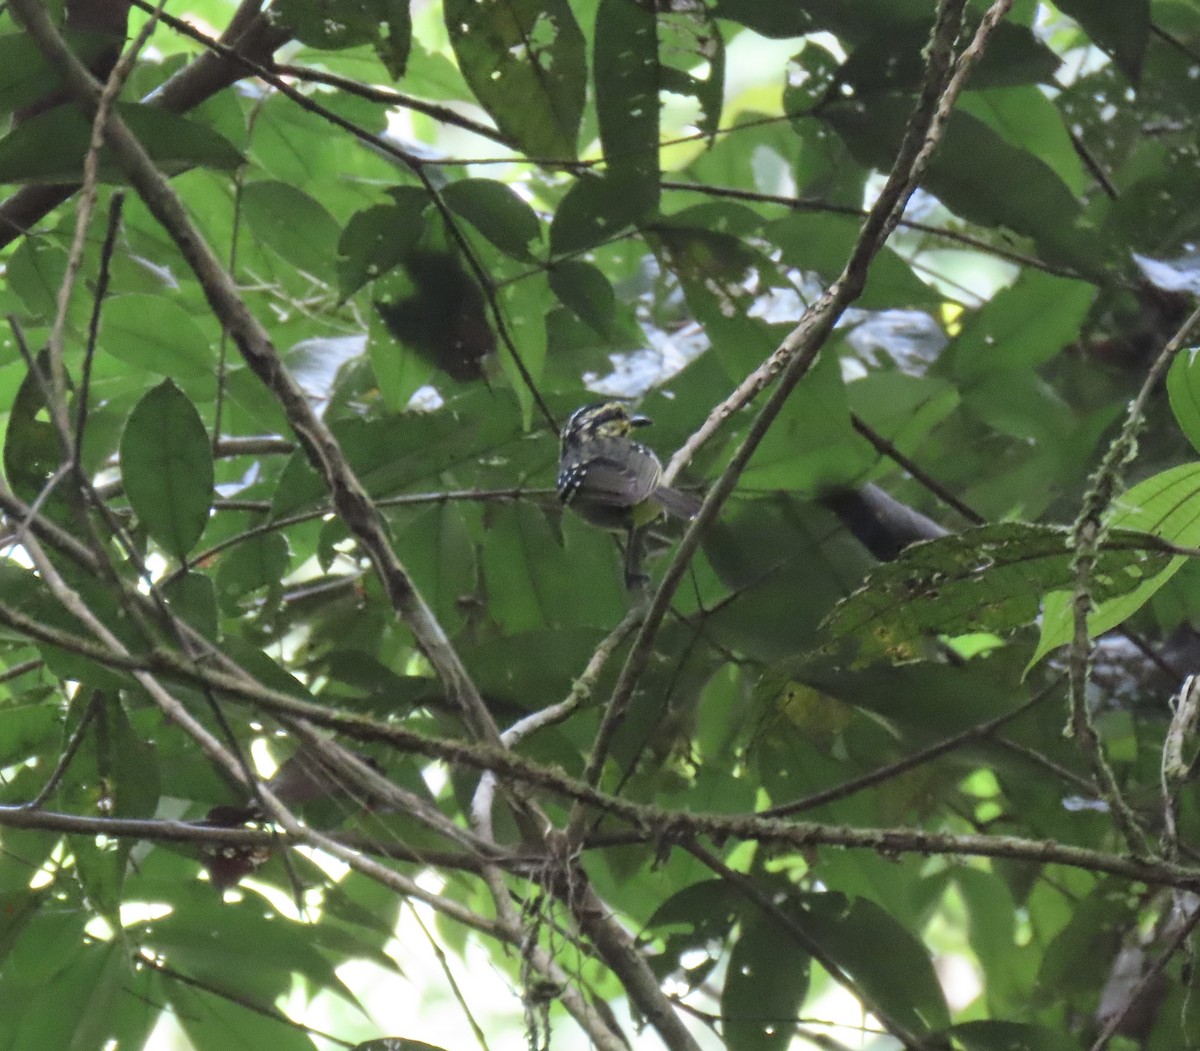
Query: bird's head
608, 419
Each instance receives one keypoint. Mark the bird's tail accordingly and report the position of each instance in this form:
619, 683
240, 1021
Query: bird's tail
681, 505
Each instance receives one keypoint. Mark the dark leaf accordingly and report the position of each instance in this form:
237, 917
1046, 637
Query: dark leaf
765, 984
443, 319
879, 954
378, 239
167, 468
338, 24
990, 578
1122, 29
980, 176
628, 79
585, 290
997, 1035
598, 208
525, 62
50, 147
497, 213
24, 76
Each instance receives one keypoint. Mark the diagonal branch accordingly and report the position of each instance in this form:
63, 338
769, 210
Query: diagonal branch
944, 81
249, 33
349, 496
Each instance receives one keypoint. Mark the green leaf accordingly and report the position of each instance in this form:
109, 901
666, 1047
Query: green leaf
526, 63
156, 334
50, 147
22, 728
901, 408
879, 954
722, 276
765, 984
823, 242
584, 290
396, 1043
394, 43
1183, 388
769, 20
1122, 29
291, 223
399, 372
1025, 118
1000, 1035
378, 239
628, 80
261, 561
984, 579
496, 211
689, 923
811, 446
342, 24
992, 933
24, 75
981, 177
193, 598
94, 999
525, 310
218, 1021
1166, 505
692, 61
167, 468
32, 447
895, 61
1022, 327
596, 209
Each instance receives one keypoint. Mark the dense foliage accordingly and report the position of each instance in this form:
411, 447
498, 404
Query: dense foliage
297, 525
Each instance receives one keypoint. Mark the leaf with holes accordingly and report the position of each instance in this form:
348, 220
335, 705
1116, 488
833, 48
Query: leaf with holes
526, 63
1166, 506
986, 579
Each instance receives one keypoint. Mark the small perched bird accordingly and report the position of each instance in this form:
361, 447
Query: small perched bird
614, 482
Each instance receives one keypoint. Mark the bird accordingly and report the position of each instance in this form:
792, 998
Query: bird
614, 482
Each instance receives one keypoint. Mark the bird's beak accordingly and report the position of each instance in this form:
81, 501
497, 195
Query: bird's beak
640, 421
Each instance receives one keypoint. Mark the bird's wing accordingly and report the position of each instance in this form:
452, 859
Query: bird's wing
623, 482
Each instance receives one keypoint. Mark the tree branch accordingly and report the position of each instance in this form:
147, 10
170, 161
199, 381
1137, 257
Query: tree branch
944, 80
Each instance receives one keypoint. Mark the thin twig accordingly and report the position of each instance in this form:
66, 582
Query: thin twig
1087, 537
442, 114
910, 762
68, 753
463, 1003
817, 204
115, 205
919, 474
57, 405
1174, 768
1177, 942
909, 1039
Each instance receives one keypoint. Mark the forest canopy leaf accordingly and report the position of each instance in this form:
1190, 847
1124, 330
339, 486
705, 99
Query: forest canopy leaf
525, 60
50, 146
167, 468
988, 579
